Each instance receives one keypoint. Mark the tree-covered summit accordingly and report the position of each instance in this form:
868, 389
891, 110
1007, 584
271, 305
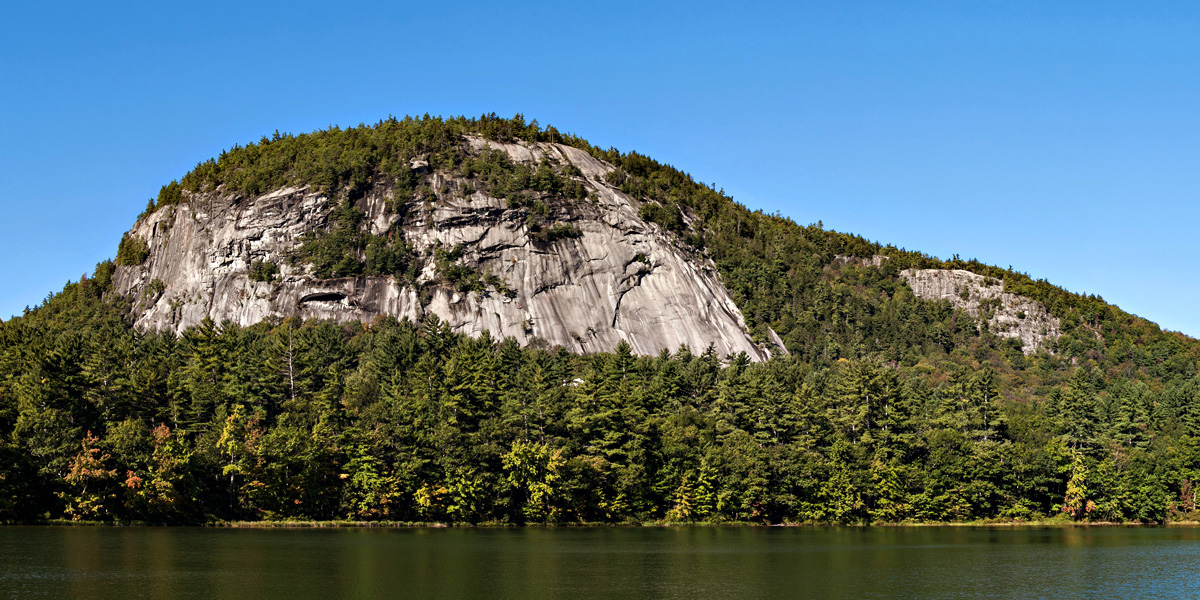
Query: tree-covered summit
347, 162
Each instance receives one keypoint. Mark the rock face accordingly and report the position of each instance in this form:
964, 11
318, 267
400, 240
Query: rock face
621, 278
1006, 314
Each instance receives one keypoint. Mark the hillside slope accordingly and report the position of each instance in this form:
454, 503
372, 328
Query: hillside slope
565, 260
912, 389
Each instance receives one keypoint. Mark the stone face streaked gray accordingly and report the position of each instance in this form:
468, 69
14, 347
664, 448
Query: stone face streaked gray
622, 279
1013, 316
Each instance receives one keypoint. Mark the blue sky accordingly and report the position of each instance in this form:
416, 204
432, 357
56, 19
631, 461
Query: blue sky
1060, 138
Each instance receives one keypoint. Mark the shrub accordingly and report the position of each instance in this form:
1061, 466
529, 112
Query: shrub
171, 193
263, 271
556, 232
155, 288
132, 251
667, 216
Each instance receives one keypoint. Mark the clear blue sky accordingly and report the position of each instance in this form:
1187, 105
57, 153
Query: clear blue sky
1062, 138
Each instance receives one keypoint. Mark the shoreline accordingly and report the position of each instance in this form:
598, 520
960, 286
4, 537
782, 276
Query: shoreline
648, 524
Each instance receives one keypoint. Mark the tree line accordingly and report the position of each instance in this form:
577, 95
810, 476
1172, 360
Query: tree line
398, 421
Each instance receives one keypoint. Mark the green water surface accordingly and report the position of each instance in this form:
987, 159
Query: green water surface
579, 564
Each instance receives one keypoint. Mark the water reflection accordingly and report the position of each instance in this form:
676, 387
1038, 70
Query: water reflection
581, 564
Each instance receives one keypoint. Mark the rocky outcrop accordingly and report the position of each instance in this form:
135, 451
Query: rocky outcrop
876, 260
1005, 314
620, 278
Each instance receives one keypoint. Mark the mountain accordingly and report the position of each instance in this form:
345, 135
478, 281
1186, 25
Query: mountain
497, 225
523, 239
487, 321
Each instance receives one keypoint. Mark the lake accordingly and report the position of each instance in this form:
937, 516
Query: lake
685, 563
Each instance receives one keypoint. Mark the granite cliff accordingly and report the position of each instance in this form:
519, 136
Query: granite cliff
1003, 313
582, 272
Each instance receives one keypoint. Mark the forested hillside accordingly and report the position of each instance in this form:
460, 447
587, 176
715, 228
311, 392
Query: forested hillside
888, 408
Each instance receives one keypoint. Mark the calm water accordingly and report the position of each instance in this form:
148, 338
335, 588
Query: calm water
685, 563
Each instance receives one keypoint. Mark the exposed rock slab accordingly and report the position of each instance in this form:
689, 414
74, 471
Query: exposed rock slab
1006, 314
621, 279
